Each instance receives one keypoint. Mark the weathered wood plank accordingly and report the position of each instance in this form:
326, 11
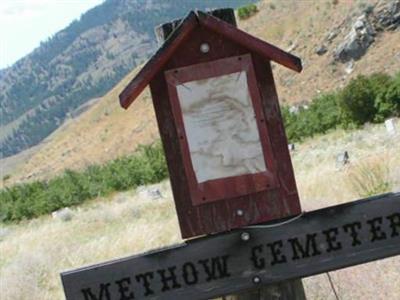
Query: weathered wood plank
318, 241
287, 290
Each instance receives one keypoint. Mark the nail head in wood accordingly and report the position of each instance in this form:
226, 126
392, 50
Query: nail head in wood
256, 279
245, 236
204, 47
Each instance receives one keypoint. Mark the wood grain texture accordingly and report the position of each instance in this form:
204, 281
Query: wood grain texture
286, 290
223, 264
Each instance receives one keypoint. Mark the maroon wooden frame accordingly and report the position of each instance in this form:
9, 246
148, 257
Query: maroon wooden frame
181, 50
234, 186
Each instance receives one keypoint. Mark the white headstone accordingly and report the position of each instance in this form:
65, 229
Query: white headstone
64, 214
343, 159
4, 232
390, 127
152, 193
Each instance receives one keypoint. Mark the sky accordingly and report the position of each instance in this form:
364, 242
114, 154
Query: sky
25, 23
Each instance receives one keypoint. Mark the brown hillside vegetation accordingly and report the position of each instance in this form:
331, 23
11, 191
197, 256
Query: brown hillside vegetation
105, 131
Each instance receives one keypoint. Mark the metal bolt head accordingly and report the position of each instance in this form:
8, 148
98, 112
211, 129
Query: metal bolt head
256, 279
245, 236
239, 212
204, 47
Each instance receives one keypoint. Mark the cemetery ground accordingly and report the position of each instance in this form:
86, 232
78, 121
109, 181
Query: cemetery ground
33, 253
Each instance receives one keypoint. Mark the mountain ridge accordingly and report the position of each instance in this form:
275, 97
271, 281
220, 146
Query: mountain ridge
81, 62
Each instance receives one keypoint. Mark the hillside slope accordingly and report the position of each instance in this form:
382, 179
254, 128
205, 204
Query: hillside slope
303, 27
34, 252
105, 131
81, 62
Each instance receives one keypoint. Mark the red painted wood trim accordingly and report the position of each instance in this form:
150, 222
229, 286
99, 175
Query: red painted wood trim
228, 187
153, 66
180, 35
244, 39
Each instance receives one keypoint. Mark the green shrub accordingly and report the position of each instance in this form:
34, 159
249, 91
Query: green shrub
30, 200
371, 98
357, 102
321, 116
247, 11
387, 102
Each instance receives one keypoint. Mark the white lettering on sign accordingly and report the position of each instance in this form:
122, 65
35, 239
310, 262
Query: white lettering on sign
221, 127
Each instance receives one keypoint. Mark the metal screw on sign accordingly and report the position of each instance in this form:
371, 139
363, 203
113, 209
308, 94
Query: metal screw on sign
239, 212
245, 236
256, 279
204, 47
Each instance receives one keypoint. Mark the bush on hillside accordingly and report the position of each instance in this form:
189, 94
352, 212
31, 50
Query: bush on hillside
321, 116
30, 200
387, 103
371, 98
357, 102
247, 11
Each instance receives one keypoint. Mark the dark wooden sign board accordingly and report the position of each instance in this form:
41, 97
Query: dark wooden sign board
203, 268
204, 47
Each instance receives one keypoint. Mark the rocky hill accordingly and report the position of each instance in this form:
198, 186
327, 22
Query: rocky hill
105, 131
80, 63
336, 40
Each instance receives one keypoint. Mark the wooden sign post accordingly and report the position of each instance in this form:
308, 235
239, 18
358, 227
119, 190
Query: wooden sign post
226, 149
220, 124
219, 120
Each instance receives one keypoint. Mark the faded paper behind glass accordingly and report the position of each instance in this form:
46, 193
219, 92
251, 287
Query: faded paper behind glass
221, 127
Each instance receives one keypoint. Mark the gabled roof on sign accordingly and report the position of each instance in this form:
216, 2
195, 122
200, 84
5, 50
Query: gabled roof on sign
185, 28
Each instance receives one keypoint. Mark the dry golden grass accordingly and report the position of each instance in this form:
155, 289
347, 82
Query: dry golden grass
321, 182
33, 253
371, 177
